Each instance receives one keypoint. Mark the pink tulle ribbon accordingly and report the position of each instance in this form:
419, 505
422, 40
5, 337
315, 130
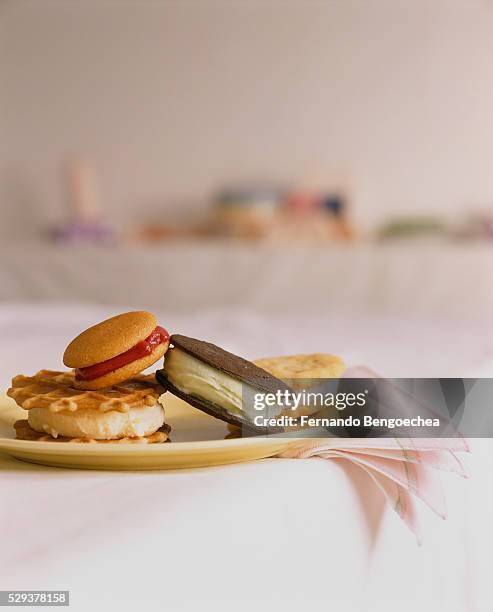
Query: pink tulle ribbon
403, 469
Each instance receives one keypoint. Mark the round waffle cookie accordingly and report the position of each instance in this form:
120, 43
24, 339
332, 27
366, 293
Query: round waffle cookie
24, 432
55, 391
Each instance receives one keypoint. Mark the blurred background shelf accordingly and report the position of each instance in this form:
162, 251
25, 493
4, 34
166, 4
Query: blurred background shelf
430, 279
334, 121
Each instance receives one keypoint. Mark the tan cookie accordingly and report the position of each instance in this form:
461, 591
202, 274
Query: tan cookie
24, 432
116, 349
302, 372
297, 370
109, 338
56, 392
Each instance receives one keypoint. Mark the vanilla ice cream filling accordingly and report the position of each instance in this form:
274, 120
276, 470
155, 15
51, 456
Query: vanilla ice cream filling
194, 377
93, 424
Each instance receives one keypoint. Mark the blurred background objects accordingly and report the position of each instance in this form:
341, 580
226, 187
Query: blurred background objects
244, 149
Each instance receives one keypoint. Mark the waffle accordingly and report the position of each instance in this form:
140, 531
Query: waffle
55, 391
24, 432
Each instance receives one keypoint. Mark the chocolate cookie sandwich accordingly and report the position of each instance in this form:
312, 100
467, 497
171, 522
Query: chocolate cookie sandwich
127, 412
218, 382
116, 349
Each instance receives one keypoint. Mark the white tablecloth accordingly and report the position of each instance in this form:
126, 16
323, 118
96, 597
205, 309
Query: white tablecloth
269, 535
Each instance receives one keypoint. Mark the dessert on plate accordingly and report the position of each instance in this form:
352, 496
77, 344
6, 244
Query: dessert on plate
216, 381
116, 349
104, 398
128, 411
302, 371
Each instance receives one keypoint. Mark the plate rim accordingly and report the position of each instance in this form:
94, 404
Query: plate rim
7, 444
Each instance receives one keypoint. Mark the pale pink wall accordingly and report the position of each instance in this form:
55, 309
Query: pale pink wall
172, 97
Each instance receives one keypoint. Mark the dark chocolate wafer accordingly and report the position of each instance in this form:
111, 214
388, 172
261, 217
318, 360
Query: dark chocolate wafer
229, 363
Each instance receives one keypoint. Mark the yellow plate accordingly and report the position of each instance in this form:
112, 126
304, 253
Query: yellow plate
197, 440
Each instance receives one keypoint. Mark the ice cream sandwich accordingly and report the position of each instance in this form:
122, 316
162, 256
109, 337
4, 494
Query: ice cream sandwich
116, 349
56, 410
216, 381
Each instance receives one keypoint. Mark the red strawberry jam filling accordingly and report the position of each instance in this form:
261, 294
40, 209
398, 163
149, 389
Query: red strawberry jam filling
141, 349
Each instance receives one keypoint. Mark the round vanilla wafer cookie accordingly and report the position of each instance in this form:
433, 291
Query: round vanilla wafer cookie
109, 338
116, 349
